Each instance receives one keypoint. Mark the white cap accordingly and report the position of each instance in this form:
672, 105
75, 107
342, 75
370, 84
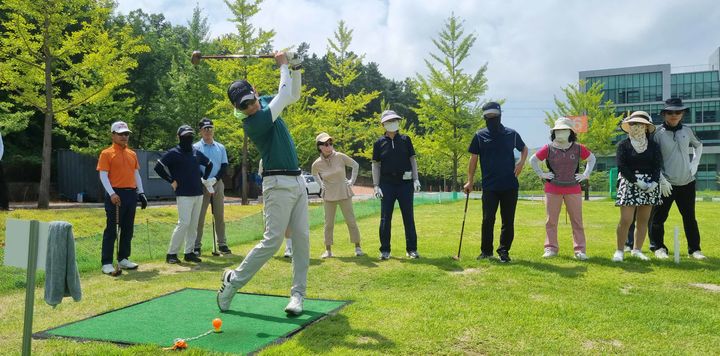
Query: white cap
119, 127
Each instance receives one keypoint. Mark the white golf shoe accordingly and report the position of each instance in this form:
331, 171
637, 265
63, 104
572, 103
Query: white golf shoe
107, 269
127, 264
698, 255
549, 253
295, 306
288, 252
581, 256
226, 293
639, 255
661, 254
618, 256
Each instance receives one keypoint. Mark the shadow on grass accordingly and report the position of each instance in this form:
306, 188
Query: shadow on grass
364, 261
274, 319
562, 271
139, 275
634, 265
447, 264
335, 331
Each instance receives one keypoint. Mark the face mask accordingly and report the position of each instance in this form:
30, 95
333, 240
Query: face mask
493, 124
392, 126
239, 114
637, 131
562, 136
186, 142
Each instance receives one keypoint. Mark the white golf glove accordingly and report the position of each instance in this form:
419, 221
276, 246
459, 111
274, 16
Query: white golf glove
293, 59
579, 177
547, 175
665, 187
349, 183
416, 183
212, 181
642, 184
651, 186
378, 192
208, 186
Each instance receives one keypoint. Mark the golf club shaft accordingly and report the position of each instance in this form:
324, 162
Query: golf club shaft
117, 239
212, 212
462, 229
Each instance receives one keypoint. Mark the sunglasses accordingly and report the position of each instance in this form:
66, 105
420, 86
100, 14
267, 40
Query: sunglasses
244, 105
326, 144
122, 133
676, 112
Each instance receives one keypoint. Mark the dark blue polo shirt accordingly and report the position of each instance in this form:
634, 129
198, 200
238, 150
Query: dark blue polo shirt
497, 159
183, 167
394, 157
271, 138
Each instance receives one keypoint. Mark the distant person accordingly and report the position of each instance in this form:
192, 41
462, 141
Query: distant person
639, 162
329, 171
562, 184
677, 181
494, 147
4, 196
216, 153
179, 167
119, 173
395, 177
284, 190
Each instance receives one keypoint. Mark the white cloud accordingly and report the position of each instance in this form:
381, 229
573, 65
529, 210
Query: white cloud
532, 48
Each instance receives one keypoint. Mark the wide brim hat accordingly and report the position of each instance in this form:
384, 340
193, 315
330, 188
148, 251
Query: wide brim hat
563, 123
388, 115
323, 137
641, 117
674, 104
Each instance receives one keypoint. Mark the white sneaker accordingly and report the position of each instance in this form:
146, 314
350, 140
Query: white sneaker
698, 255
288, 252
359, 252
639, 255
226, 293
107, 269
295, 306
549, 253
618, 256
581, 256
627, 248
126, 264
326, 254
661, 254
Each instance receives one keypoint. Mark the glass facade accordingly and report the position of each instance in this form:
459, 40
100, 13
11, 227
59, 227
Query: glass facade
697, 85
630, 88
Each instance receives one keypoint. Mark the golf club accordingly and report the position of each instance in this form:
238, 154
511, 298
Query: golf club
462, 230
212, 212
197, 56
117, 270
147, 224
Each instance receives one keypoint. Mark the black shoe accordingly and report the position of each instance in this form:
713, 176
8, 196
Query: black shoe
504, 256
484, 256
173, 259
225, 250
191, 257
197, 251
413, 255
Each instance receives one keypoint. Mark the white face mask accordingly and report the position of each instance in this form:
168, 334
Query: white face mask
562, 136
392, 126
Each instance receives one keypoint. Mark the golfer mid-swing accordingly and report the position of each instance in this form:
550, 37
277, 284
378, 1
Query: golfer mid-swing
286, 204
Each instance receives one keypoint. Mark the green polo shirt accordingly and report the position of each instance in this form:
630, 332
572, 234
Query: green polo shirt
271, 138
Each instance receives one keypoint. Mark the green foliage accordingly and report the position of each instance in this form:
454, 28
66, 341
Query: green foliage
529, 180
448, 104
602, 121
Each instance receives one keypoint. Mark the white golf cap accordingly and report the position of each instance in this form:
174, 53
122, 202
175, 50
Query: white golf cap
119, 127
388, 115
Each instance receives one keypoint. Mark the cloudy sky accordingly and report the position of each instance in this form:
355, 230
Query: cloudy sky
532, 48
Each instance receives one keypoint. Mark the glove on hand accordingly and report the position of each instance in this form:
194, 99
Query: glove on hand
378, 192
293, 60
579, 177
547, 175
416, 184
642, 184
651, 186
665, 187
143, 200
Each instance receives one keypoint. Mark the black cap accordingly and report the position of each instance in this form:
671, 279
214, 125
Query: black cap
239, 91
491, 108
205, 122
674, 104
185, 130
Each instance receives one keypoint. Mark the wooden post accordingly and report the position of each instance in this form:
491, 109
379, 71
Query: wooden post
30, 286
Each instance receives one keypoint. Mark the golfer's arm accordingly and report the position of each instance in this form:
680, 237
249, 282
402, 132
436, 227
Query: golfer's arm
376, 173
590, 165
413, 165
535, 164
163, 171
105, 180
285, 92
472, 166
138, 182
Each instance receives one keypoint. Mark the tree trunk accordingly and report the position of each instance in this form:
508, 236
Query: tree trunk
44, 189
455, 187
243, 171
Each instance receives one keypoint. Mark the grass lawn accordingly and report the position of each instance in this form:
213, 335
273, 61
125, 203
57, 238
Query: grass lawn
435, 305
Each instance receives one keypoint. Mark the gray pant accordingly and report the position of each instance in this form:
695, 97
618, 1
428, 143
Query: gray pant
218, 201
286, 207
188, 213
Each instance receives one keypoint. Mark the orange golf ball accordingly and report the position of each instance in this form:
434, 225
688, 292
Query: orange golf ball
217, 323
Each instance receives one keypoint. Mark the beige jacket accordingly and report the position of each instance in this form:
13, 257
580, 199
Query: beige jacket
331, 175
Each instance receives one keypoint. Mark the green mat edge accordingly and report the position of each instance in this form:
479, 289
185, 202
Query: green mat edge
45, 334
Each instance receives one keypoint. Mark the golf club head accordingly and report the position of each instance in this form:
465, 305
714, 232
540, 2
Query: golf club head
195, 57
456, 258
216, 253
116, 273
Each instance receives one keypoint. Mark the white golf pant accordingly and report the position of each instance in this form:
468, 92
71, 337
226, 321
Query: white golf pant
286, 207
186, 228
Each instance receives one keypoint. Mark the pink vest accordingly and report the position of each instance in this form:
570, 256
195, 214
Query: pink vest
564, 164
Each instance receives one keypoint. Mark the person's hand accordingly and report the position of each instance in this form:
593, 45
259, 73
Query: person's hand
378, 192
547, 175
350, 183
579, 177
174, 185
212, 181
651, 186
467, 188
417, 186
518, 169
293, 59
642, 184
143, 200
665, 187
115, 199
281, 58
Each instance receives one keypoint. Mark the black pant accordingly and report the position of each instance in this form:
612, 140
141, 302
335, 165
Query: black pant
4, 196
507, 199
128, 203
684, 196
403, 193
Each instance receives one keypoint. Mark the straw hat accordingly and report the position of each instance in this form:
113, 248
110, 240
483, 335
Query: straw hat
641, 117
563, 123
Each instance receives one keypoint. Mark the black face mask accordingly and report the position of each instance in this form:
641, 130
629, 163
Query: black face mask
186, 143
493, 124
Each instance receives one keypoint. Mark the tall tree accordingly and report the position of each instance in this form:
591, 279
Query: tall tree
602, 120
448, 103
56, 56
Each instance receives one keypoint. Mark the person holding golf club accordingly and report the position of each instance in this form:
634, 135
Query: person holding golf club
562, 184
677, 181
216, 153
493, 146
395, 177
329, 171
118, 168
284, 191
179, 167
639, 162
